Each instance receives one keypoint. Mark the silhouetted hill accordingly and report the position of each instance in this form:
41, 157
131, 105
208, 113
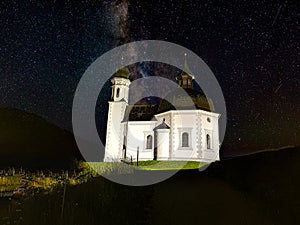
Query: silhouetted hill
30, 141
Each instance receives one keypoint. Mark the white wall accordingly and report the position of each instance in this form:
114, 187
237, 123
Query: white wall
193, 122
137, 131
123, 85
162, 142
114, 131
210, 127
181, 121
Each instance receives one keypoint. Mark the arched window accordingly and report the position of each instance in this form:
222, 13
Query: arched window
149, 142
208, 145
118, 92
185, 139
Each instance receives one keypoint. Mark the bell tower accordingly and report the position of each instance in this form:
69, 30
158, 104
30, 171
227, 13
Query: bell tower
185, 78
120, 85
117, 107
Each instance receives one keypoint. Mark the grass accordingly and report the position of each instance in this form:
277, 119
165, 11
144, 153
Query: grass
109, 167
9, 183
169, 165
122, 168
18, 181
95, 168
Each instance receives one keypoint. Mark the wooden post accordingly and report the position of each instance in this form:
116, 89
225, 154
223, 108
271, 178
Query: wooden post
137, 157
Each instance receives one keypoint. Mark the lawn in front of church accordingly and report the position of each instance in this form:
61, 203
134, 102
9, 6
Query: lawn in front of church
169, 165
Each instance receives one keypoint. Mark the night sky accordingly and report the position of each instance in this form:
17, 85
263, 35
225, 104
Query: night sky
251, 47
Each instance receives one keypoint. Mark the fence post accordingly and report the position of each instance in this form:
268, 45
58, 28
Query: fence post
137, 156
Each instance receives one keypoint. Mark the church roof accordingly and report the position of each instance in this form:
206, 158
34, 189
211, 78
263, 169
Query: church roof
177, 101
140, 112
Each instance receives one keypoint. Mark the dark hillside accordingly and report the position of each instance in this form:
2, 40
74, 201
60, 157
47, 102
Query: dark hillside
30, 141
262, 188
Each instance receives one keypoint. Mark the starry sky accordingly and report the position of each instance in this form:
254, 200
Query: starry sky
251, 47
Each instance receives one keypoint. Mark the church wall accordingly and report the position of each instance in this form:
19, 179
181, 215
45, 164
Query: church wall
162, 142
184, 122
210, 149
167, 116
137, 133
196, 124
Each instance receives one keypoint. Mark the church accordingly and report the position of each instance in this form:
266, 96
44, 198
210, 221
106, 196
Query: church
164, 131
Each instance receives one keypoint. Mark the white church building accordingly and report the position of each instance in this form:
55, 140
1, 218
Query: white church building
177, 131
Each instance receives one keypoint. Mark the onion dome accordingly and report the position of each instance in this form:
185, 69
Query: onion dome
123, 72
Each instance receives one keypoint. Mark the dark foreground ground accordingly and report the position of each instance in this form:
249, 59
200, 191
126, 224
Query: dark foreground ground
260, 189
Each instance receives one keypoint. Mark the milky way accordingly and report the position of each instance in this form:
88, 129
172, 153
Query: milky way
251, 47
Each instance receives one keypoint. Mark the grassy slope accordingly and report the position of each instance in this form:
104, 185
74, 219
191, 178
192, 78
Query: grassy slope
30, 141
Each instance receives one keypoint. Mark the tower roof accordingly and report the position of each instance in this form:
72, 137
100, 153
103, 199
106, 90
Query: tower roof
185, 77
123, 72
178, 101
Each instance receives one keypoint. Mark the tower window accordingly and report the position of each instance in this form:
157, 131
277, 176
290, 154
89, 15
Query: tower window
185, 139
149, 142
185, 82
208, 141
118, 92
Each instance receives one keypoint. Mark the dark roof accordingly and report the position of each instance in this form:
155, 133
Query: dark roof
163, 125
123, 72
175, 101
140, 112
